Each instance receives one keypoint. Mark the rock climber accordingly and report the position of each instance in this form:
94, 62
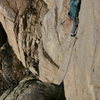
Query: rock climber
73, 14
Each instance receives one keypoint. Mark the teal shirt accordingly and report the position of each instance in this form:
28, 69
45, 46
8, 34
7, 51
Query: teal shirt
74, 9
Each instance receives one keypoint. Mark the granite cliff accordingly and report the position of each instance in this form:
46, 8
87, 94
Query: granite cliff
37, 35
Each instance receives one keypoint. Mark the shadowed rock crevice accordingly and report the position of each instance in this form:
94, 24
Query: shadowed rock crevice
6, 72
11, 69
28, 33
3, 36
33, 89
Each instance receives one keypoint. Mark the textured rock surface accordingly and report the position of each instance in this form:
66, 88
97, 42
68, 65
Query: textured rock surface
82, 78
83, 75
11, 69
22, 25
39, 31
33, 89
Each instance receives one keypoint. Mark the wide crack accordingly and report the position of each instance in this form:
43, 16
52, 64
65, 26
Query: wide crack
3, 36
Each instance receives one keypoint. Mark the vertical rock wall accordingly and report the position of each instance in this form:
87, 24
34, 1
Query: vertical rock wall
83, 75
39, 31
82, 78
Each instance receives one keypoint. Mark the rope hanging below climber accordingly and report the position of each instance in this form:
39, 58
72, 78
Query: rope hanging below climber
73, 15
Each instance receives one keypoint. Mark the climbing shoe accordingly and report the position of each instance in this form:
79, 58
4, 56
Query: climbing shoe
73, 35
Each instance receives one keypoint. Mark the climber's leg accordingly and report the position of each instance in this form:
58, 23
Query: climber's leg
74, 27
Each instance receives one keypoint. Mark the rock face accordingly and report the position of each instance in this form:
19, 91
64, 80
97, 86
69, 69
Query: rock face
38, 32
33, 89
11, 69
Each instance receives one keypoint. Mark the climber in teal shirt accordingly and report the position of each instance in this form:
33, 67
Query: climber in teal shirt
74, 15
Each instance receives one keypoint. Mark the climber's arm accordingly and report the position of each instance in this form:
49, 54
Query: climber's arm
77, 2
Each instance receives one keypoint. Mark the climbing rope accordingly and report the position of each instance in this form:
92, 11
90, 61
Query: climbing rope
66, 61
